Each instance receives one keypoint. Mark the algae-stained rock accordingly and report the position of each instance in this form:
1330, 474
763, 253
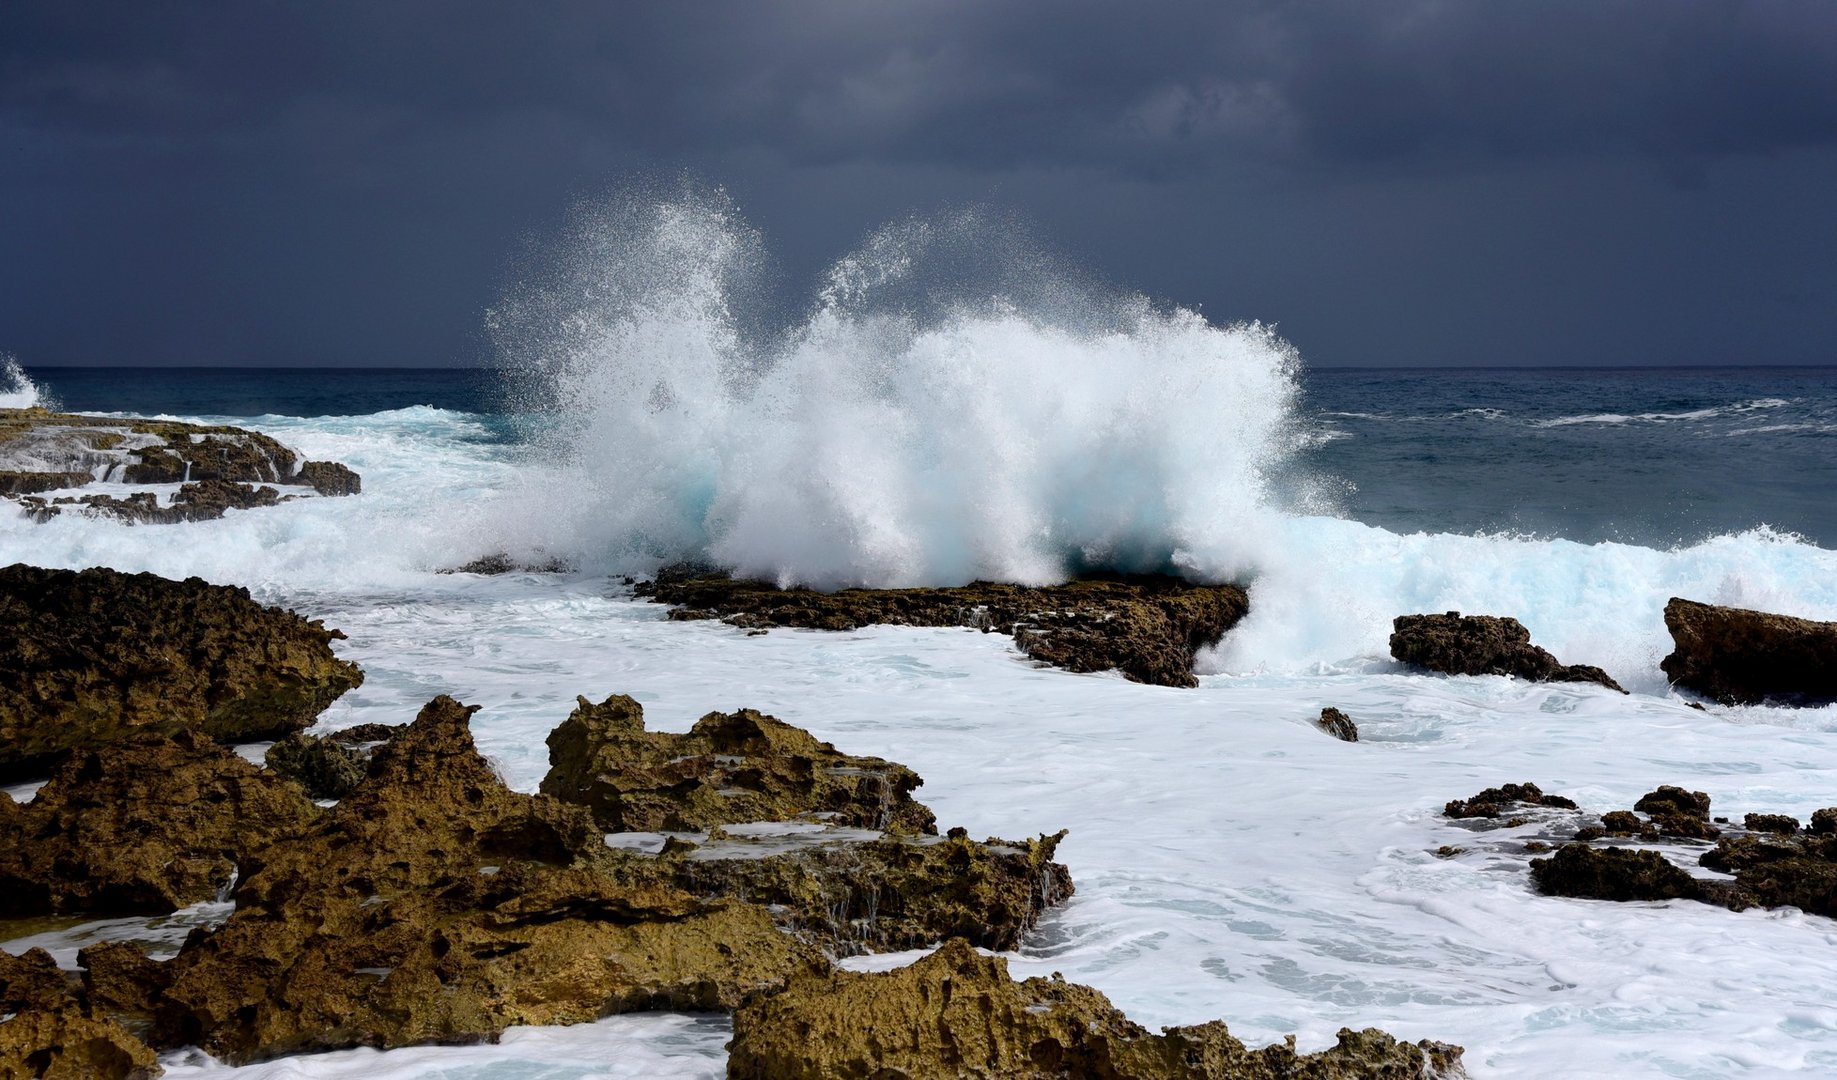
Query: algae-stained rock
325, 768
1505, 799
1737, 656
330, 478
433, 904
1337, 724
957, 1013
1613, 874
1148, 627
144, 825
730, 768
45, 1031
1457, 644
89, 656
1677, 812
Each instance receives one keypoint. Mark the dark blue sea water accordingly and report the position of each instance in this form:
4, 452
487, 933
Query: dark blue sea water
1658, 457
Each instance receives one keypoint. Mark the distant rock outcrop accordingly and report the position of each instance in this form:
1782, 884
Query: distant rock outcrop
1454, 644
1147, 627
1737, 656
958, 1013
90, 656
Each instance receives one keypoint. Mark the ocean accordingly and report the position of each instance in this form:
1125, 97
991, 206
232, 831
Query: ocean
1231, 861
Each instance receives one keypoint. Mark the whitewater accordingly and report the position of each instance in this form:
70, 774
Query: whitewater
936, 416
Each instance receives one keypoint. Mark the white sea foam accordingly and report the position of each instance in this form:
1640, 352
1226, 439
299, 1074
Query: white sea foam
16, 390
1712, 412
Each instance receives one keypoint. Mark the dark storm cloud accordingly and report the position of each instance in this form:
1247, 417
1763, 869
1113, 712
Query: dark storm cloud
305, 182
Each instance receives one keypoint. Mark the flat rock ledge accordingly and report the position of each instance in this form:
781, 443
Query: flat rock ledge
216, 467
1456, 644
94, 655
1742, 657
957, 1013
1148, 627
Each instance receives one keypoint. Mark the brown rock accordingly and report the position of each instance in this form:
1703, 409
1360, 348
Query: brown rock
90, 656
1483, 645
1147, 627
1737, 656
46, 1032
1338, 725
730, 768
325, 768
1496, 802
957, 1013
1613, 874
329, 478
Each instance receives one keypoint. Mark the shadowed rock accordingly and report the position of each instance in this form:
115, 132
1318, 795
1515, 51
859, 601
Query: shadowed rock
1503, 800
1613, 874
1147, 627
145, 825
957, 1013
729, 768
1737, 656
90, 656
1454, 644
1338, 725
328, 766
46, 1030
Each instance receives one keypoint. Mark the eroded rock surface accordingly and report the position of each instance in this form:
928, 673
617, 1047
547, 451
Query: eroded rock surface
1737, 656
1147, 627
730, 768
328, 766
89, 656
956, 1013
47, 1031
144, 825
1456, 644
1504, 801
1338, 725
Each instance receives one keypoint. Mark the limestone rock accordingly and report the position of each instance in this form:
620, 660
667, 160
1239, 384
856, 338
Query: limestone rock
957, 1013
89, 656
1145, 626
1483, 645
326, 767
1737, 656
1338, 725
729, 768
1613, 874
46, 1032
1499, 801
330, 478
144, 825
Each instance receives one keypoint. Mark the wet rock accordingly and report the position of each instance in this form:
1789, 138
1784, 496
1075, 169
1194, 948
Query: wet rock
1499, 801
433, 904
1483, 645
493, 565
88, 656
45, 1030
1613, 874
330, 478
205, 500
1624, 823
729, 768
1147, 627
1771, 823
15, 482
1677, 812
1777, 868
1338, 725
1737, 656
957, 1013
144, 825
324, 768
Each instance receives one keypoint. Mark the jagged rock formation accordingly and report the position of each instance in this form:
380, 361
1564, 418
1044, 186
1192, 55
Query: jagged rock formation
144, 825
957, 1013
47, 1031
1483, 645
1147, 627
1613, 873
1737, 656
328, 766
1504, 800
730, 768
433, 904
90, 656
1338, 725
44, 451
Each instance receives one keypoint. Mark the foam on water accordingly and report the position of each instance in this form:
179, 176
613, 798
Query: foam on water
16, 391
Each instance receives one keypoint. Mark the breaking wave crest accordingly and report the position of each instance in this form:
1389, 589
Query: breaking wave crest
953, 405
16, 390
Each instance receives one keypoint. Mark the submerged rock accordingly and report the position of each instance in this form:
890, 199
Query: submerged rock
145, 825
204, 500
1503, 800
1338, 725
1455, 644
1613, 874
730, 768
1737, 656
46, 1030
93, 655
1147, 627
958, 1013
433, 904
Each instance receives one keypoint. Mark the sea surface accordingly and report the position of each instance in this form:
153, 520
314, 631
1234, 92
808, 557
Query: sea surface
1231, 861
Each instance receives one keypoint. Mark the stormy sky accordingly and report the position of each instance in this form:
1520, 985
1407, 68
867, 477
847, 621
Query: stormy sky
1392, 182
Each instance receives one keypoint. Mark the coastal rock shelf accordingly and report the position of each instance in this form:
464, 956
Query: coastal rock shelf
1737, 656
93, 655
215, 467
1456, 644
1147, 627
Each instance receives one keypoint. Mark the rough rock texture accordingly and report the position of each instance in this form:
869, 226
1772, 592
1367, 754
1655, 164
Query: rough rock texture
144, 825
1502, 800
90, 656
1737, 656
956, 1013
893, 892
1338, 725
729, 768
1483, 645
1677, 812
46, 451
47, 1032
500, 563
1613, 874
328, 766
1147, 627
1774, 867
433, 904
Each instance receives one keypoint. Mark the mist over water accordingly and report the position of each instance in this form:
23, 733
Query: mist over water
951, 406
16, 390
